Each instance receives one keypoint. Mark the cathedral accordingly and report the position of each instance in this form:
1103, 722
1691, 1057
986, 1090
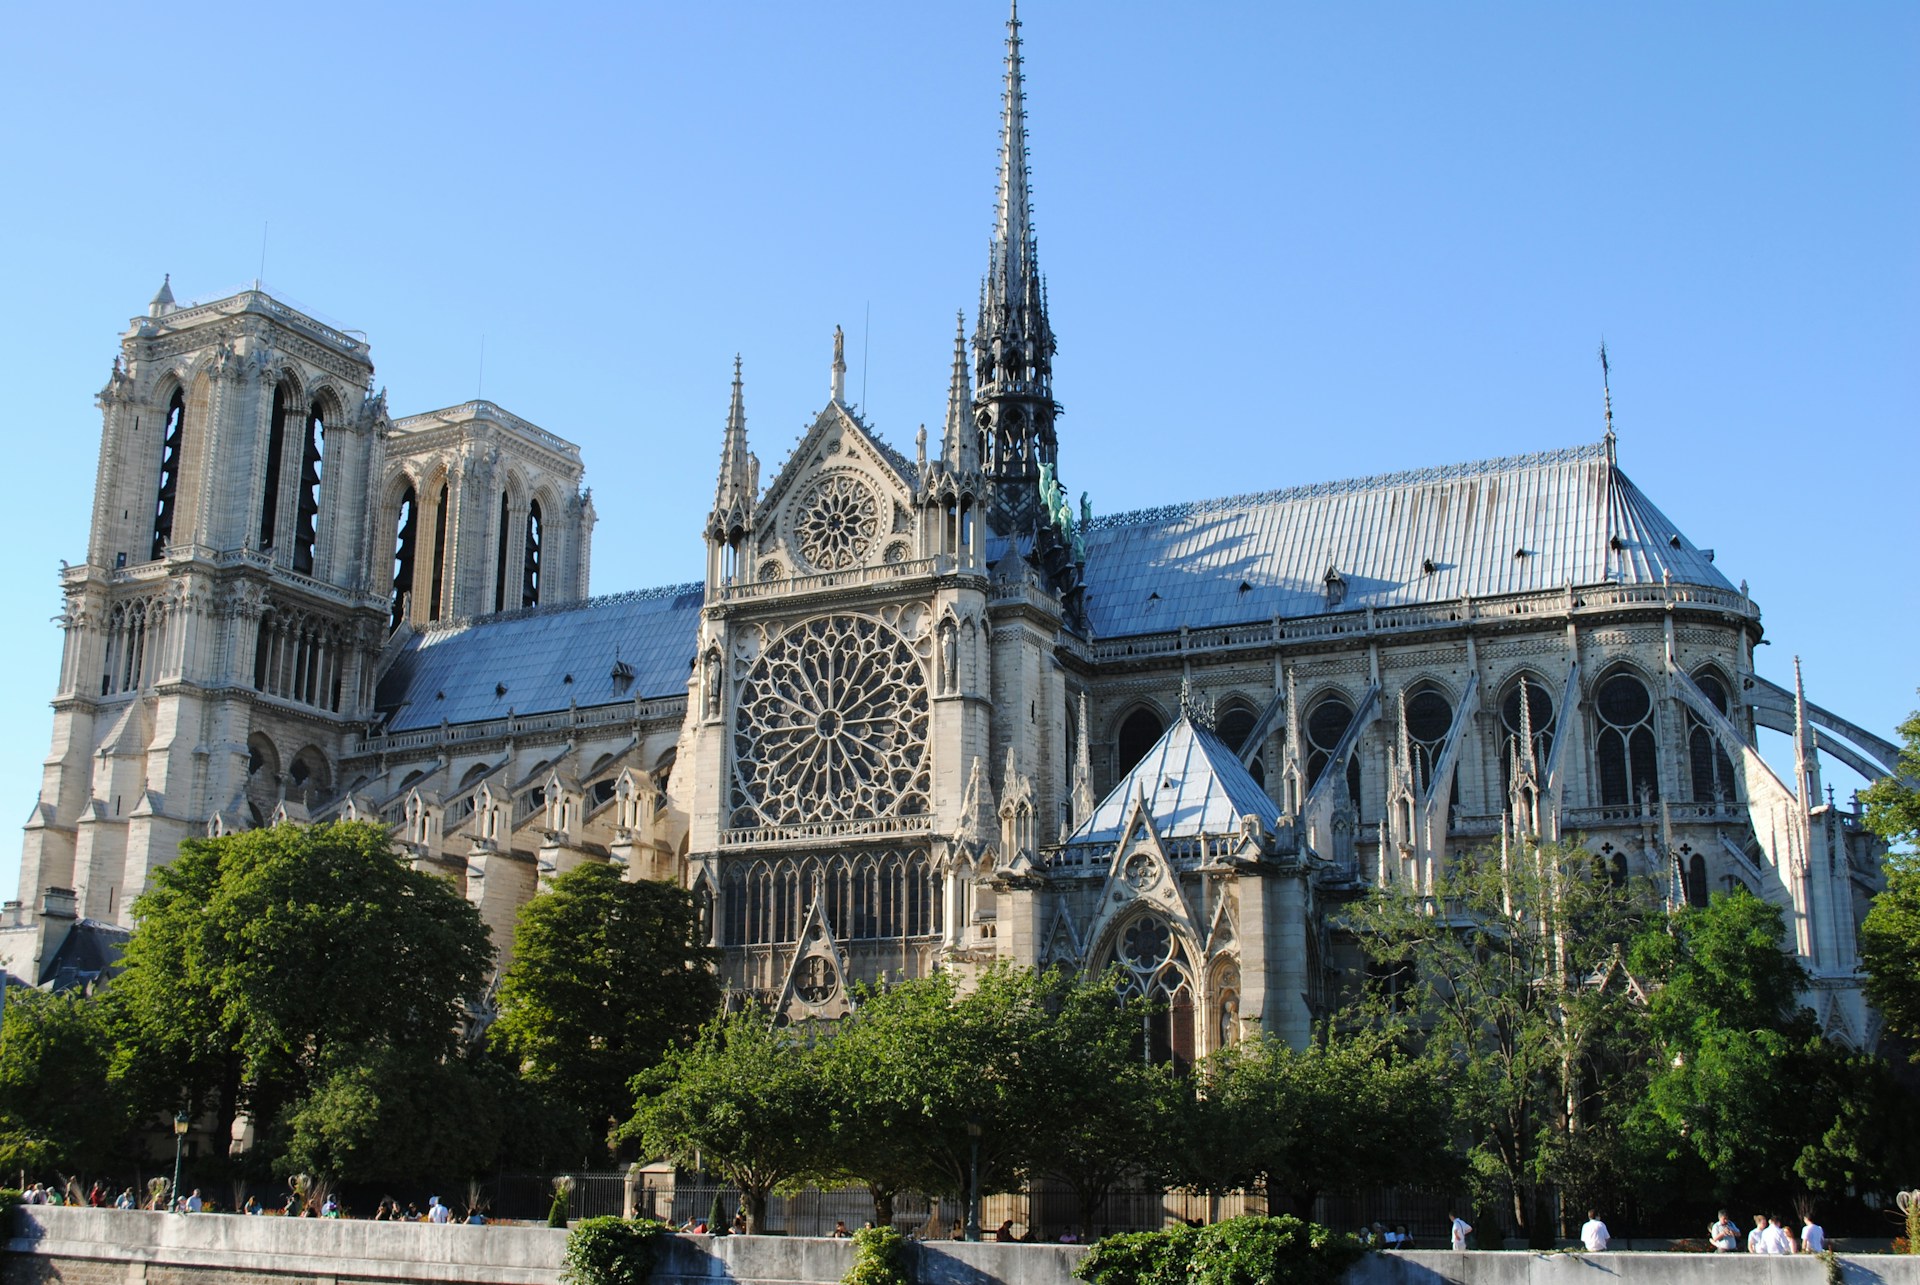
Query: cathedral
924, 710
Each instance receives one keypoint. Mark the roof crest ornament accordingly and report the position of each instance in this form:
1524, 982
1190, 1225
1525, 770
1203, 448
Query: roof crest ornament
839, 382
1606, 389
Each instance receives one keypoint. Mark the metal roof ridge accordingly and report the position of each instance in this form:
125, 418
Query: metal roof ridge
457, 623
1353, 485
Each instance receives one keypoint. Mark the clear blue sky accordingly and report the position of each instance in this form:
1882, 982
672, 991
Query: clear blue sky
1285, 243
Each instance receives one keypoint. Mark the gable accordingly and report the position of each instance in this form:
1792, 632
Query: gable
842, 501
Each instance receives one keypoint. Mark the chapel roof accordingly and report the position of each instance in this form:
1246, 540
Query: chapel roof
90, 951
545, 658
1193, 785
1521, 524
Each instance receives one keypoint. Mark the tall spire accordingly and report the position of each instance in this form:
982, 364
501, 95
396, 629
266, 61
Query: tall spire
1013, 344
960, 443
733, 497
1012, 264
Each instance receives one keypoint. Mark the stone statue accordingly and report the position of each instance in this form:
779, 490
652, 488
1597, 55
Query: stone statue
949, 656
713, 684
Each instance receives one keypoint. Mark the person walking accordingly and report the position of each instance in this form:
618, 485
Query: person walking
437, 1212
1724, 1235
1813, 1237
1459, 1228
1593, 1233
1757, 1238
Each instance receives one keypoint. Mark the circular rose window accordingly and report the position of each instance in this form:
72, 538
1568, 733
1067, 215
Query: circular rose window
836, 523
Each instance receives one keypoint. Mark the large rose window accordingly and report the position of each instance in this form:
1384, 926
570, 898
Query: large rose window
831, 725
835, 523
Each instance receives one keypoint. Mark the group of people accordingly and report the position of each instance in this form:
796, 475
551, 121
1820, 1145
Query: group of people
1771, 1234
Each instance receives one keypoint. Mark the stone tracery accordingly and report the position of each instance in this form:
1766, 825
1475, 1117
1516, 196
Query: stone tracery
836, 523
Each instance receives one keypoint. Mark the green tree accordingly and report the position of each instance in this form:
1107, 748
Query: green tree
939, 1078
265, 965
607, 975
746, 1098
1347, 1112
59, 1109
1890, 935
1512, 976
1743, 1082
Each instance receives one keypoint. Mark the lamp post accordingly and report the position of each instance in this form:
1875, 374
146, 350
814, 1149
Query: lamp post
973, 1185
180, 1123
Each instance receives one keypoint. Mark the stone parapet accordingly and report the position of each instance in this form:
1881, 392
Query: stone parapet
110, 1247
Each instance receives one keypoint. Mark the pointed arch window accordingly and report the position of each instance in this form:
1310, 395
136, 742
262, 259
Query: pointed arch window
530, 570
1138, 732
1627, 755
306, 527
439, 553
1429, 719
406, 530
500, 558
276, 447
1711, 769
1327, 724
172, 453
1153, 963
1538, 721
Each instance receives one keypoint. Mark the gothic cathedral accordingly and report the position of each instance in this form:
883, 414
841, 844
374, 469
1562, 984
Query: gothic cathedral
925, 711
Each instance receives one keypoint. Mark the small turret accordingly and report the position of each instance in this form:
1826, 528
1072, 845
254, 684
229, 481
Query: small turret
163, 298
960, 443
735, 493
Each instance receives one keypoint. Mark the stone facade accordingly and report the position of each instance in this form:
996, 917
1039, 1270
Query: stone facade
921, 712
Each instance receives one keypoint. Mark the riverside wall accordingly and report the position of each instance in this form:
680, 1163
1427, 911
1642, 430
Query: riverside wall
65, 1246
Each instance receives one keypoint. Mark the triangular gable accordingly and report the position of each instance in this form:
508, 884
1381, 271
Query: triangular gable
1193, 785
836, 421
1141, 874
817, 982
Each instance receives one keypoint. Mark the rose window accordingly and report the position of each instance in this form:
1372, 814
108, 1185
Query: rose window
832, 726
838, 520
1147, 943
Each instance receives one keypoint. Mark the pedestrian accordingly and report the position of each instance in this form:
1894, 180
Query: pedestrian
437, 1212
840, 1231
740, 1221
1724, 1235
1757, 1238
475, 1218
1459, 1228
194, 1204
1593, 1233
1783, 1240
1813, 1237
96, 1196
126, 1200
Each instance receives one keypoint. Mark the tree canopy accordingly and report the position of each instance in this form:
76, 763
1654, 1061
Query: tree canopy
1890, 935
608, 974
271, 965
59, 1106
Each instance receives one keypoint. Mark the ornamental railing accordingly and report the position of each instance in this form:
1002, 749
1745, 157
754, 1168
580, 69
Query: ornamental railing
1375, 621
565, 720
815, 831
851, 578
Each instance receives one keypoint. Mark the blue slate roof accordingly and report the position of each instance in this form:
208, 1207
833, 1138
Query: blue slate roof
1522, 524
1194, 785
90, 951
453, 671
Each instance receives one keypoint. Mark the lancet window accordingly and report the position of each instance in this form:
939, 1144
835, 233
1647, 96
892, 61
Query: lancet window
500, 557
172, 452
439, 553
406, 532
1138, 732
1626, 753
276, 446
1711, 769
1538, 722
1429, 718
306, 528
1327, 723
865, 897
530, 568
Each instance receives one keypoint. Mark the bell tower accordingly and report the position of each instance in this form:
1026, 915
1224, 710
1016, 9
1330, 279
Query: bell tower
221, 635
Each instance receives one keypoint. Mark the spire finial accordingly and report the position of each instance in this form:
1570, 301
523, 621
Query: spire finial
1606, 391
734, 496
839, 385
162, 298
959, 446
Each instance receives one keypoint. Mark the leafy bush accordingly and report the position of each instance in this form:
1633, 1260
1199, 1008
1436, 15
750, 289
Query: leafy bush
877, 1258
1140, 1258
9, 1197
557, 1211
1240, 1251
611, 1251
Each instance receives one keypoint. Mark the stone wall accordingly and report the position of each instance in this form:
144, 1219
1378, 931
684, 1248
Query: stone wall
109, 1247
